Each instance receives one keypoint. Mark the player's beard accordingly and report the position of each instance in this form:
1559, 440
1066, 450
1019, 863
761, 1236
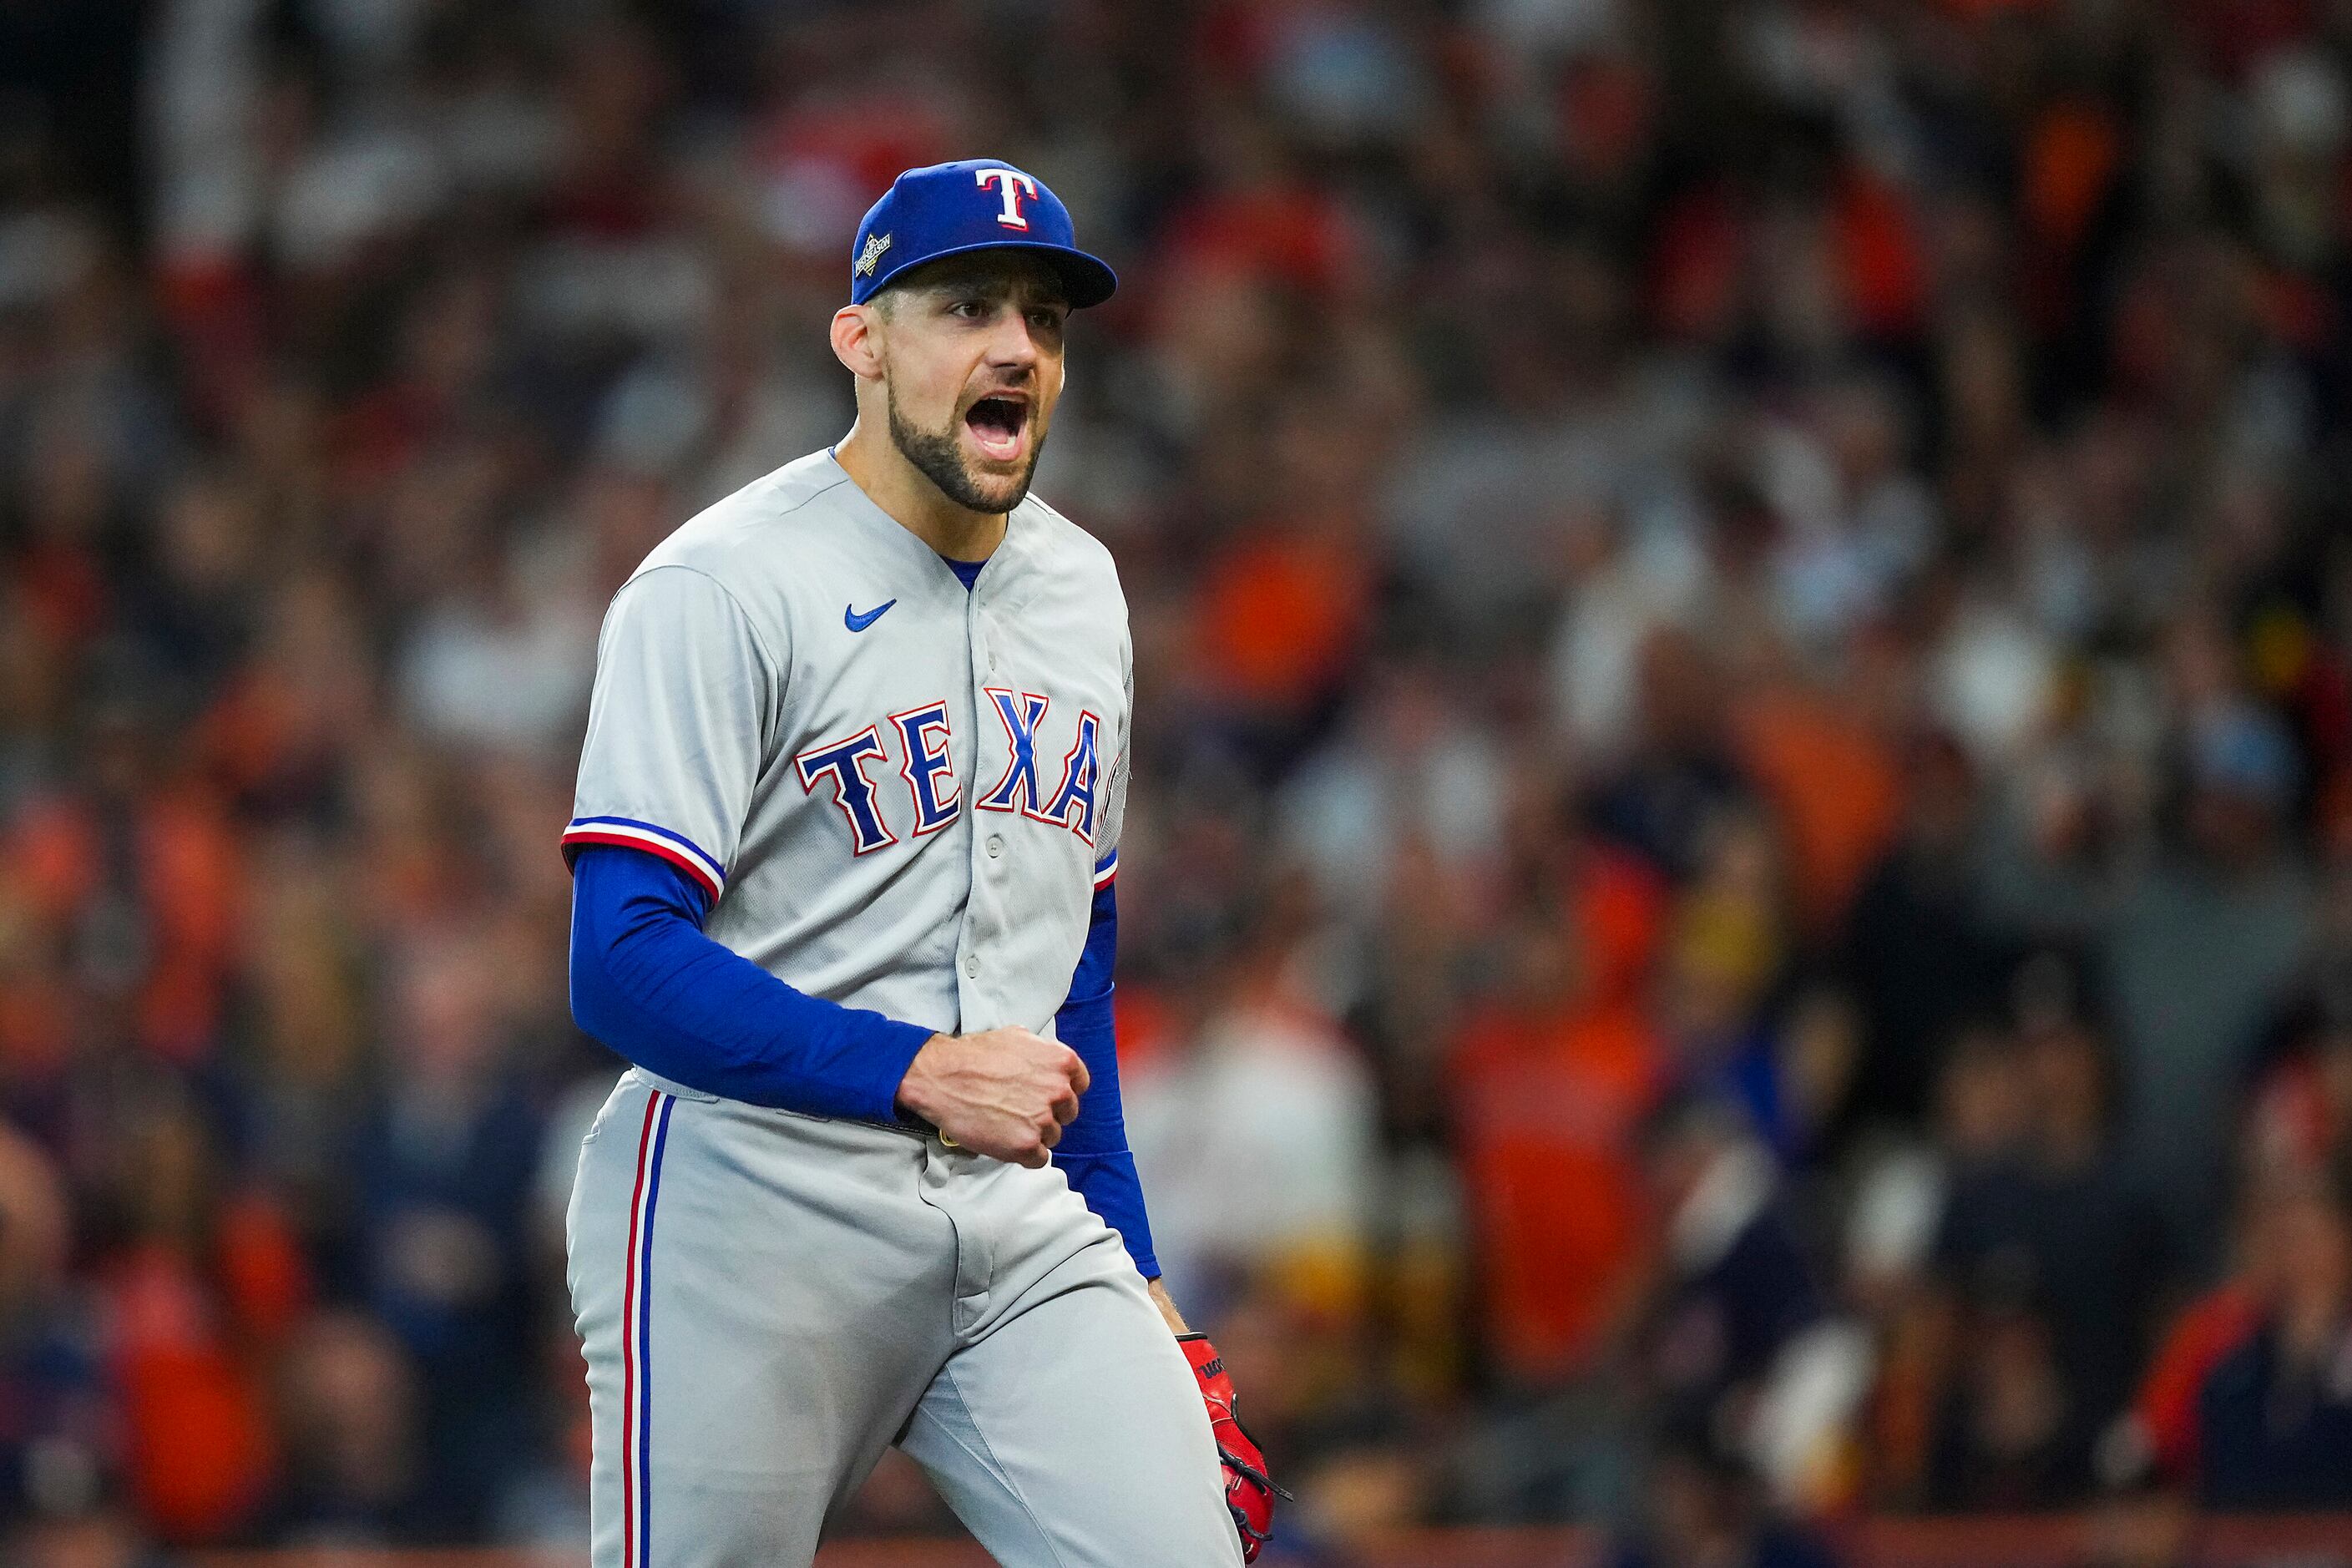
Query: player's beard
938, 459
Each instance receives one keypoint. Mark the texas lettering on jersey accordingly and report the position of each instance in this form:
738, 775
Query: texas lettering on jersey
795, 696
933, 796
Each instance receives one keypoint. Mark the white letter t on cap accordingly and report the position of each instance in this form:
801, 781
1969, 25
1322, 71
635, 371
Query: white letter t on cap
1010, 184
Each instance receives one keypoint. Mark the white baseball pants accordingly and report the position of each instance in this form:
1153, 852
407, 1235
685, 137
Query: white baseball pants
767, 1300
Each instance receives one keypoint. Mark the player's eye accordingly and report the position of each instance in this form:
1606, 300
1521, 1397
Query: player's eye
1048, 319
970, 309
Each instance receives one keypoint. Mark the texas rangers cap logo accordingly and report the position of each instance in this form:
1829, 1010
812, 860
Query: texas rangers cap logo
979, 203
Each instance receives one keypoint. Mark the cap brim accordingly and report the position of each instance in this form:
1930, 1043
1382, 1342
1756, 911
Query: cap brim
1086, 279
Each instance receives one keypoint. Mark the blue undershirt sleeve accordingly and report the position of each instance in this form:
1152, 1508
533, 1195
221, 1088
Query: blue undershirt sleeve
1092, 1152
650, 984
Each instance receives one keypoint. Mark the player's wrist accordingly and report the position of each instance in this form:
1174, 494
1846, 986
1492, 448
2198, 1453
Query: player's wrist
921, 1089
915, 1096
1158, 1288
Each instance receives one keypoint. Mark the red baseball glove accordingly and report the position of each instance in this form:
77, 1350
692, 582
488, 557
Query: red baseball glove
1249, 1490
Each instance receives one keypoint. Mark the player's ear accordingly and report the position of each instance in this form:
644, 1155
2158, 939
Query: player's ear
858, 339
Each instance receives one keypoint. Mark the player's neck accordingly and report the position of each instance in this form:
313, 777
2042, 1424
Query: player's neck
909, 498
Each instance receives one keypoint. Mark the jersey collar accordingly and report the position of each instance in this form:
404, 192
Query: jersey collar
1005, 578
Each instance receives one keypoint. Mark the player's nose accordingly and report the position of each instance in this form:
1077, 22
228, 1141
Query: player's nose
1015, 341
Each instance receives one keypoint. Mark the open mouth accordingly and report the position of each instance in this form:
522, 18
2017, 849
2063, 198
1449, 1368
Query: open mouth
997, 424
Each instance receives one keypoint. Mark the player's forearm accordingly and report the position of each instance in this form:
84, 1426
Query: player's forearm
1084, 1022
1093, 1154
649, 984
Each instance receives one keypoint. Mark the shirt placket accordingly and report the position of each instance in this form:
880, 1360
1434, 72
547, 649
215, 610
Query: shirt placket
977, 948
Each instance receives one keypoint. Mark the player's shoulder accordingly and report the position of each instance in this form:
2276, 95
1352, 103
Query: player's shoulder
741, 535
1068, 550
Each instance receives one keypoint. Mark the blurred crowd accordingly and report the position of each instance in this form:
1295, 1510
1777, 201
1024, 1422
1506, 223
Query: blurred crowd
1738, 891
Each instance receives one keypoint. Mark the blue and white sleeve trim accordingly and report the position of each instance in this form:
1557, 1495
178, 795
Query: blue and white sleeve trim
631, 834
1106, 870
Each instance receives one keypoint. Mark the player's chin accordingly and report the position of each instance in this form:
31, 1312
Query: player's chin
989, 491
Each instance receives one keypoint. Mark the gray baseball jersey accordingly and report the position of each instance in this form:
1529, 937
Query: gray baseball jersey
901, 794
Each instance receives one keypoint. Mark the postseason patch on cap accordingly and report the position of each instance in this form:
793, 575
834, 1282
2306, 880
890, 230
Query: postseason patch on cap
977, 204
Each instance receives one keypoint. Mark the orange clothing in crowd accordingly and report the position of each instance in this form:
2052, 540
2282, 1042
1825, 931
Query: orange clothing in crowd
196, 1436
2207, 1330
1281, 617
1547, 1110
1620, 905
1836, 788
190, 1339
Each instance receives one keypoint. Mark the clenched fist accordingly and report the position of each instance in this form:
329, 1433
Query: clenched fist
1005, 1093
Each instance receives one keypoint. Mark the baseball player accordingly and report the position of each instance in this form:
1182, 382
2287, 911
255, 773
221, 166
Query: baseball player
844, 857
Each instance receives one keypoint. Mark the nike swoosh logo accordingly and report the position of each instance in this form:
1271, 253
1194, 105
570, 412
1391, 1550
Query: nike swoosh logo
857, 623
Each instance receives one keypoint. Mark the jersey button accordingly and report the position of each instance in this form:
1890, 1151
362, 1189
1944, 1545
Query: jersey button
971, 965
995, 845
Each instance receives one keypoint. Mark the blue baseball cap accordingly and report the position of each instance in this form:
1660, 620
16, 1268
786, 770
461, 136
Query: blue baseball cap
978, 203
